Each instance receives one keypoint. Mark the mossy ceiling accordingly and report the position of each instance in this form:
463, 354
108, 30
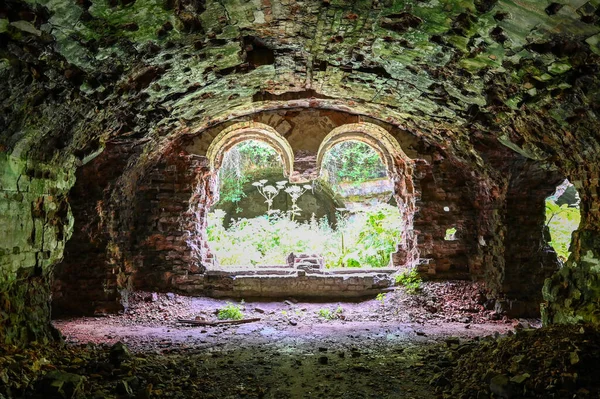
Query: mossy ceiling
78, 72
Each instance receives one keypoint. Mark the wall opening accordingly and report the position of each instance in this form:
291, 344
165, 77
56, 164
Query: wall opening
450, 234
260, 217
369, 226
562, 218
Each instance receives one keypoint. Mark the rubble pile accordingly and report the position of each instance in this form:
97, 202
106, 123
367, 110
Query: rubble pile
550, 362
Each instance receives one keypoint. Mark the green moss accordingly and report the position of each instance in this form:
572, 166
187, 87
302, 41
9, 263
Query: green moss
149, 15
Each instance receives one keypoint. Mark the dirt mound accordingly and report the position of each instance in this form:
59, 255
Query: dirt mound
551, 362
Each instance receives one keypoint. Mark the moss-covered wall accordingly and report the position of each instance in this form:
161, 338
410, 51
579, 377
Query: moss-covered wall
572, 295
466, 76
35, 223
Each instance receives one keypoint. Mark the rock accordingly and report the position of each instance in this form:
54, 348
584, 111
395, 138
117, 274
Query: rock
119, 353
522, 325
123, 388
60, 384
519, 379
573, 358
152, 297
500, 386
293, 322
259, 310
439, 380
170, 296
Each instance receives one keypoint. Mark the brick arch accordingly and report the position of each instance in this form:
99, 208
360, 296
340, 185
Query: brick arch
400, 170
243, 131
375, 136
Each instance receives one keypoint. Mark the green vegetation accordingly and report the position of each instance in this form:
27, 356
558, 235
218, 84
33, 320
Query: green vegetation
329, 314
352, 161
450, 234
326, 314
231, 311
239, 165
410, 280
381, 298
362, 239
561, 221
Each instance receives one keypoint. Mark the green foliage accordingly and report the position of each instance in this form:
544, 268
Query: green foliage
240, 163
231, 311
363, 239
353, 161
328, 314
450, 234
410, 280
561, 221
381, 297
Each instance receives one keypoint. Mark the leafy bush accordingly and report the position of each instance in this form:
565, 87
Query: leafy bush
363, 239
410, 280
353, 161
238, 165
230, 312
561, 221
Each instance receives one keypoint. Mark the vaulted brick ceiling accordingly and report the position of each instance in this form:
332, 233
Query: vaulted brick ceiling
470, 77
76, 73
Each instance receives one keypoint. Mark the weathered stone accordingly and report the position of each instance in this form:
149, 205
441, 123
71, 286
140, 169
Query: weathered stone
60, 384
490, 101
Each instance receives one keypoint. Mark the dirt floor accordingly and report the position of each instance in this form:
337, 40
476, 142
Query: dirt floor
377, 348
444, 342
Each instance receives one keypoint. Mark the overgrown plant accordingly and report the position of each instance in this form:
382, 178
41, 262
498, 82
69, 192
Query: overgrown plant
363, 239
329, 314
269, 192
231, 311
410, 280
295, 192
239, 163
352, 161
561, 221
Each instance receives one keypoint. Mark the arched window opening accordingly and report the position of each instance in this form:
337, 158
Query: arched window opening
260, 217
369, 226
562, 218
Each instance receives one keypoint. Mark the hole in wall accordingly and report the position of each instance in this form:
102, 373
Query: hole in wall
346, 218
369, 226
562, 218
245, 225
450, 234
